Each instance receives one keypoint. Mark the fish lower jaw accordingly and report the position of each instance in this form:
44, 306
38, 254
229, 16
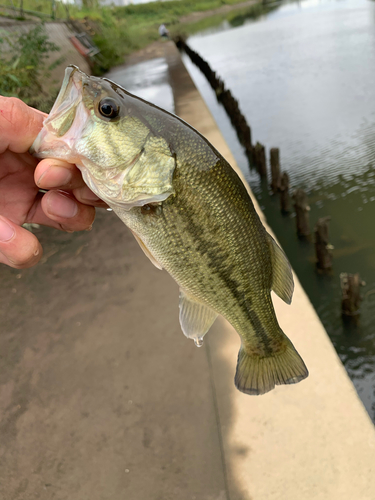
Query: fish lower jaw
47, 145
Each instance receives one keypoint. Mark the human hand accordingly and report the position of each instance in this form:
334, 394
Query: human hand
68, 205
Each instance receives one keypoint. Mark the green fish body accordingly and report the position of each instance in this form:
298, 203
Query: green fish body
190, 213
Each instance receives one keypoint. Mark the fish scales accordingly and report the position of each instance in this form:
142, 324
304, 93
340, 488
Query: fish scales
219, 272
190, 213
201, 203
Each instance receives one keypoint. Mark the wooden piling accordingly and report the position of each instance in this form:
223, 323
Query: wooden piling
302, 209
323, 249
248, 144
351, 297
275, 169
260, 159
284, 193
225, 97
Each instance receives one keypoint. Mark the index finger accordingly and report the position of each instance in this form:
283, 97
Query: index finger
19, 125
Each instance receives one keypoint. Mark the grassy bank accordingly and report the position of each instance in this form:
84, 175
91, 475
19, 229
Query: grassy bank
24, 66
123, 30
119, 31
235, 18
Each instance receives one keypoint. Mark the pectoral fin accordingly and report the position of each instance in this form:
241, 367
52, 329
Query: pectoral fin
282, 278
195, 318
147, 251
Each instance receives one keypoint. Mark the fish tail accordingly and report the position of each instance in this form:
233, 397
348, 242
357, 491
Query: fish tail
257, 374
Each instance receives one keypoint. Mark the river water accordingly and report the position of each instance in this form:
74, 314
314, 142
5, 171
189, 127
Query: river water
304, 75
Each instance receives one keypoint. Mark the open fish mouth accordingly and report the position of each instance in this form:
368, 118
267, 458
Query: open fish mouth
66, 120
69, 97
97, 126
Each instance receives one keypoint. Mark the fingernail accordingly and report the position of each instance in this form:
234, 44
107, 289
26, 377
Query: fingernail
6, 231
55, 177
61, 205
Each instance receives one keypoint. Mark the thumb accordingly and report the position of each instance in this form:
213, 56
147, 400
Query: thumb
18, 247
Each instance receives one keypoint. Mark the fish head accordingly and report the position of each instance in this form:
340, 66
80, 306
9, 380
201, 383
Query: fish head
103, 129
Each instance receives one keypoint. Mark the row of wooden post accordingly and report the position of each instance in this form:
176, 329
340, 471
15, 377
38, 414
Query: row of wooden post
280, 184
350, 283
223, 95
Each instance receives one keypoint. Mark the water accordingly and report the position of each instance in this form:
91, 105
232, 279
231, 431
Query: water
148, 80
304, 76
198, 341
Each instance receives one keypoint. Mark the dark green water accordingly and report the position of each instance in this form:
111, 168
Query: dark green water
304, 75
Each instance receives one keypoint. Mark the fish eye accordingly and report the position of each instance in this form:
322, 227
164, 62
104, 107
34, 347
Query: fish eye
108, 108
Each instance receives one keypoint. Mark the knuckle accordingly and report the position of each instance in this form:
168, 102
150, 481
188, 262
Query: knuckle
10, 107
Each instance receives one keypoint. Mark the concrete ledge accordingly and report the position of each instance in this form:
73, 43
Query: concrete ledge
310, 441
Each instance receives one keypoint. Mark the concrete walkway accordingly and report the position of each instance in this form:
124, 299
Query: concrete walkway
103, 398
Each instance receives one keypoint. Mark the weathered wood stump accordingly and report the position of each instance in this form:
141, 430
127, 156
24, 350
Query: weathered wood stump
275, 169
247, 139
323, 249
260, 159
351, 297
284, 193
301, 206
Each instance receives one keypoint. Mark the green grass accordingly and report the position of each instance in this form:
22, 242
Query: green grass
23, 66
141, 12
123, 30
119, 31
235, 18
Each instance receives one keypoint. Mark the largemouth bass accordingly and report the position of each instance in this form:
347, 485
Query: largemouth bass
189, 212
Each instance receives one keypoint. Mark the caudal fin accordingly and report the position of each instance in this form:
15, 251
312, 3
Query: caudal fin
257, 375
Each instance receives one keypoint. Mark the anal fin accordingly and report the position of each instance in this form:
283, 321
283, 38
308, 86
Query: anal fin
282, 277
195, 318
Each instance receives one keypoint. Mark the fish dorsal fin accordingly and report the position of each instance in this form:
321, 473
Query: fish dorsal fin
195, 318
147, 251
282, 277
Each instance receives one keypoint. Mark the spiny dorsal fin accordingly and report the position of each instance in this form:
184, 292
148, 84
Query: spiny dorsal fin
147, 251
195, 318
282, 277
